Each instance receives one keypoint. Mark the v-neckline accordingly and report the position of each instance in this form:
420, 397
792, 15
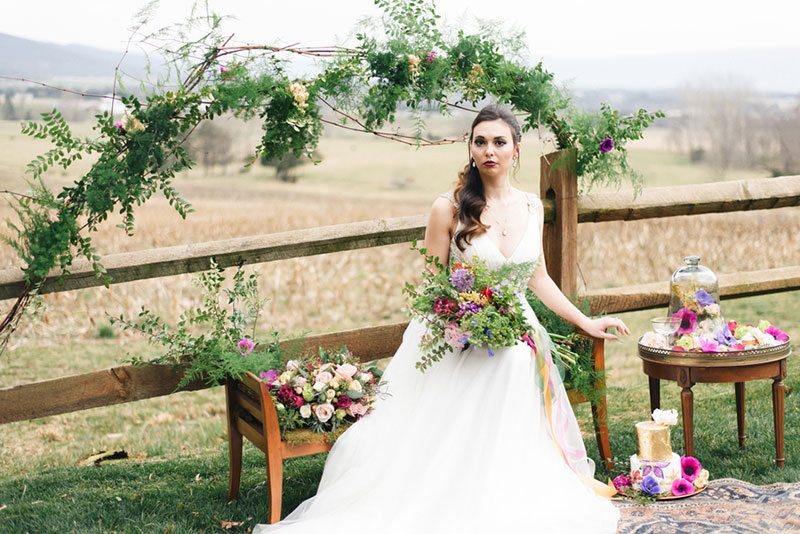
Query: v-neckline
519, 243
524, 233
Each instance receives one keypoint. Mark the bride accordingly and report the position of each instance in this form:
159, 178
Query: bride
475, 444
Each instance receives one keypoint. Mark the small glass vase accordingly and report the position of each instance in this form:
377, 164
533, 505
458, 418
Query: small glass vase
694, 288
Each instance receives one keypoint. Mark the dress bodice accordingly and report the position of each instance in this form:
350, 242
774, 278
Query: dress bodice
528, 250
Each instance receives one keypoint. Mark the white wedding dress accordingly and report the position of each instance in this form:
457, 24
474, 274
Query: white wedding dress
464, 447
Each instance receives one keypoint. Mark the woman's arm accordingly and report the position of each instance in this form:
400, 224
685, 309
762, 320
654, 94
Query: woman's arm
551, 296
438, 230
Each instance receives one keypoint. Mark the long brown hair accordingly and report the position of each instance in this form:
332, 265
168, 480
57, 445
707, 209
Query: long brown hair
468, 192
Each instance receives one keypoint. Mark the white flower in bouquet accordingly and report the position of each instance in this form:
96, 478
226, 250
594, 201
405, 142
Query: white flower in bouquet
324, 412
340, 413
319, 386
665, 417
355, 385
305, 411
330, 394
346, 370
335, 382
324, 377
292, 365
365, 377
300, 381
712, 309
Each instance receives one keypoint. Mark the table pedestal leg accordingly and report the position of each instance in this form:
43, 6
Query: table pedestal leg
740, 409
688, 421
655, 393
778, 394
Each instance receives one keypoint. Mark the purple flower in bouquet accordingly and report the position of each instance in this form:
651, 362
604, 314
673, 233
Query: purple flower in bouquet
468, 307
622, 482
462, 279
704, 298
708, 345
777, 333
650, 485
246, 345
681, 486
690, 467
268, 376
343, 402
606, 145
724, 336
688, 320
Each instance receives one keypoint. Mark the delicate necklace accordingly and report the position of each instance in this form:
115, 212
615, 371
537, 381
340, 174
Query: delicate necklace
503, 226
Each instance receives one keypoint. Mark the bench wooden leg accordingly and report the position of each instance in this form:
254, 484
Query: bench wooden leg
601, 431
274, 485
778, 394
234, 453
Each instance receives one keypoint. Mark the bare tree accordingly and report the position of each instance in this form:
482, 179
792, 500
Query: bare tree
211, 146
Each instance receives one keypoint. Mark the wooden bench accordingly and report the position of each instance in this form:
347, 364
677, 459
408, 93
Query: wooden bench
252, 414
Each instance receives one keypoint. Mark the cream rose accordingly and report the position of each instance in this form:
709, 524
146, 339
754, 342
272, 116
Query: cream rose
702, 479
355, 385
330, 394
305, 411
347, 370
324, 412
293, 365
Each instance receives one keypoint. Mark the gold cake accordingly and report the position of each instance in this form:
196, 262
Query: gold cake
653, 441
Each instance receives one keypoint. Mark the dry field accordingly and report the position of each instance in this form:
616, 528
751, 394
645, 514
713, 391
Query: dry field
361, 178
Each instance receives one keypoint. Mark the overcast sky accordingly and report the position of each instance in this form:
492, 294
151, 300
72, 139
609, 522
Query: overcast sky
557, 28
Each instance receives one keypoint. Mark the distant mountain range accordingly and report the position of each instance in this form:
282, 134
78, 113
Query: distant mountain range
43, 61
767, 70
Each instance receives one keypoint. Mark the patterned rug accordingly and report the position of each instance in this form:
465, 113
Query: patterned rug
728, 505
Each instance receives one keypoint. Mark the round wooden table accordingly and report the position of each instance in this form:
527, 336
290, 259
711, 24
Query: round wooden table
690, 368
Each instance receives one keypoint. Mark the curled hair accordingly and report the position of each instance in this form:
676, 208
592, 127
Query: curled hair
468, 192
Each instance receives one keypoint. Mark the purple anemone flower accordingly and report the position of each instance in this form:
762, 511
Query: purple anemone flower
704, 298
606, 145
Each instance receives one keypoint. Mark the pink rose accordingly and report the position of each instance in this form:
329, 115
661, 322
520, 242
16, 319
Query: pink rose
292, 365
324, 377
622, 482
324, 412
300, 381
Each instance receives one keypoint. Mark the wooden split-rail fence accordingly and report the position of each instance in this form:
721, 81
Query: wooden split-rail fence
564, 209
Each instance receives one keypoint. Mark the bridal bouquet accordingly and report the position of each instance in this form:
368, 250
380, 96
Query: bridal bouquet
467, 304
322, 393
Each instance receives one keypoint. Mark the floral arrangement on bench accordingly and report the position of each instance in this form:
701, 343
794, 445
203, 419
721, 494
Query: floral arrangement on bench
322, 393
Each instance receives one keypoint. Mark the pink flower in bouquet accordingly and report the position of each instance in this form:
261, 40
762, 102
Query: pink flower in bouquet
732, 326
285, 394
292, 365
343, 401
454, 336
346, 370
622, 482
431, 57
636, 476
300, 381
681, 486
118, 125
737, 346
324, 412
246, 346
357, 409
777, 333
690, 467
444, 306
297, 401
708, 345
269, 376
324, 377
688, 321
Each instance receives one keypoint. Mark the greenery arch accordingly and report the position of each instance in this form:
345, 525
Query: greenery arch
407, 60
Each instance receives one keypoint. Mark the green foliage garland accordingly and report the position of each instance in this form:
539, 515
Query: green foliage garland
407, 62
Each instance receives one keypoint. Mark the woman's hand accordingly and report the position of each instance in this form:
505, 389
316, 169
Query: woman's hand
597, 328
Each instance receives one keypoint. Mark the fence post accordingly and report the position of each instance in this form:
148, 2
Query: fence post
558, 182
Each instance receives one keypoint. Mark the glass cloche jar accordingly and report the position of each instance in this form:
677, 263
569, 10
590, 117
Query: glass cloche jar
694, 293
